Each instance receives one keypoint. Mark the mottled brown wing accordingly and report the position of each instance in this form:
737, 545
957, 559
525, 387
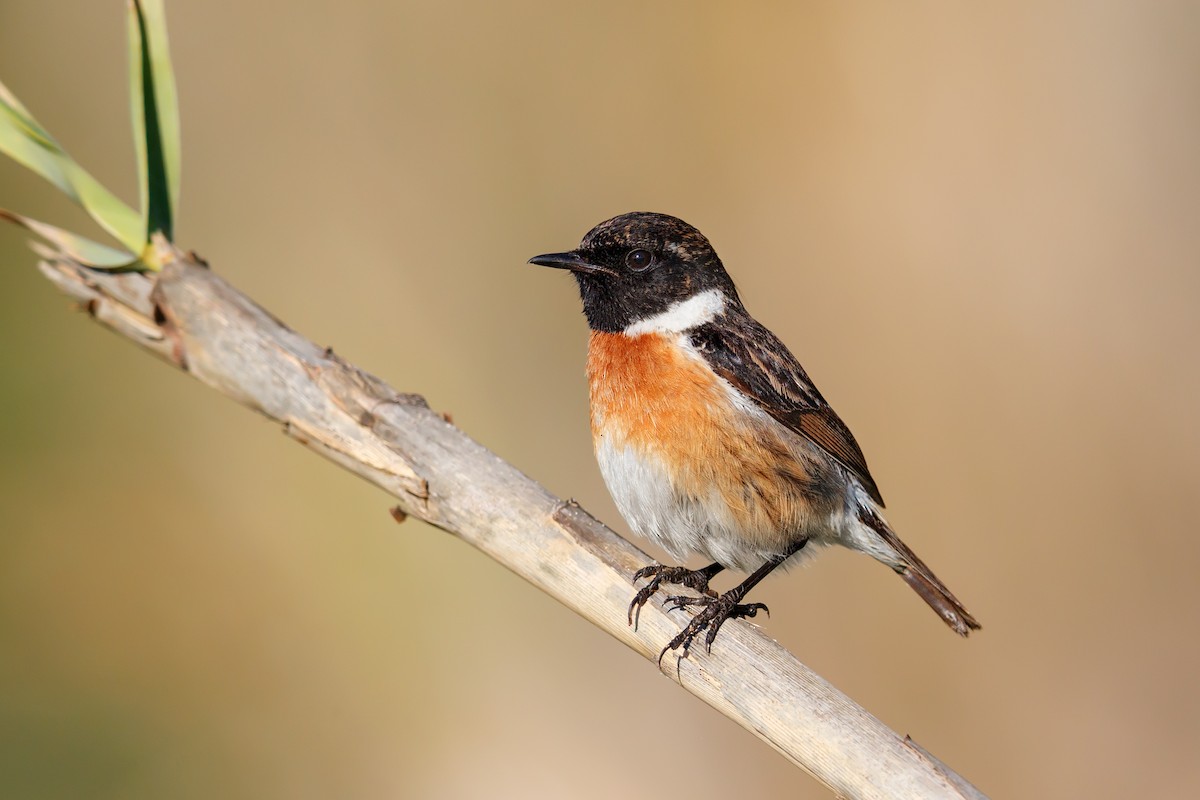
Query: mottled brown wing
754, 361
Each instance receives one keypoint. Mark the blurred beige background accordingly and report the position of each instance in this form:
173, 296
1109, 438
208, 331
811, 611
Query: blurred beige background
976, 225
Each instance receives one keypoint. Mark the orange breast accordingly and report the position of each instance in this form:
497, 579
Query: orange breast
648, 394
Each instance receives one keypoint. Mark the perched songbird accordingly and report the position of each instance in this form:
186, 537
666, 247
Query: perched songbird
709, 433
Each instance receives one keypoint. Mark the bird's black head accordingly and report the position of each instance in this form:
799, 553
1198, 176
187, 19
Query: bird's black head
637, 266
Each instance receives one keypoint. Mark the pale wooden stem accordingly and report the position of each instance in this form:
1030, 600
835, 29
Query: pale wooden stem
197, 321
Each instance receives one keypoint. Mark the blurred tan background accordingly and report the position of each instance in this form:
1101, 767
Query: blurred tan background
976, 226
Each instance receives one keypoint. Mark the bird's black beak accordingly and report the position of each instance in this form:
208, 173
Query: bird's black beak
572, 261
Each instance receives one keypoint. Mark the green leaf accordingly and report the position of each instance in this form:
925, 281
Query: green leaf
28, 143
156, 136
155, 115
83, 250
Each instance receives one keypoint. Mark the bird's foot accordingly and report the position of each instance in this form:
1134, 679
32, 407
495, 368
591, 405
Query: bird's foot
658, 574
715, 611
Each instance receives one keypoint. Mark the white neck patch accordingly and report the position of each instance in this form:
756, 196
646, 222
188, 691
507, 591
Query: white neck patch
683, 316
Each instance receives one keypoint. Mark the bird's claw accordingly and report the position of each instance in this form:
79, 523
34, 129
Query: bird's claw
660, 574
715, 612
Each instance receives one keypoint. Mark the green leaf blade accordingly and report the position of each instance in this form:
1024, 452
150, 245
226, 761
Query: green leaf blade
155, 109
29, 144
80, 248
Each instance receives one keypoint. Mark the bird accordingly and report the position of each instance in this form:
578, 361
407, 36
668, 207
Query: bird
711, 437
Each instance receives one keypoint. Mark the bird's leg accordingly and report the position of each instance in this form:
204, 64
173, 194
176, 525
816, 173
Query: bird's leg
658, 574
717, 609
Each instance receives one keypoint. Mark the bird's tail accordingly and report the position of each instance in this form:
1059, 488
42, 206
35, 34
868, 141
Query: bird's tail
921, 578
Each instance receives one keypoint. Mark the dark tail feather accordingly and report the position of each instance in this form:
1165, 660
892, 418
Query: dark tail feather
922, 579
940, 599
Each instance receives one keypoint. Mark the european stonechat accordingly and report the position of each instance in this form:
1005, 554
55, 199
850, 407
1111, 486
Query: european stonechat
711, 437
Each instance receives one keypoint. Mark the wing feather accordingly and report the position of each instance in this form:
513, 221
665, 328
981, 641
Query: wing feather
756, 363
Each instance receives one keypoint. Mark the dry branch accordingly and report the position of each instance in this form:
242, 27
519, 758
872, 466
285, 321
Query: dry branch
192, 318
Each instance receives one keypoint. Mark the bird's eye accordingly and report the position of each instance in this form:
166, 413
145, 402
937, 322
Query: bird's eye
638, 260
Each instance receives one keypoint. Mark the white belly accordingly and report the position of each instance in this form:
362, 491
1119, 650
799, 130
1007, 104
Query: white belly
646, 498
